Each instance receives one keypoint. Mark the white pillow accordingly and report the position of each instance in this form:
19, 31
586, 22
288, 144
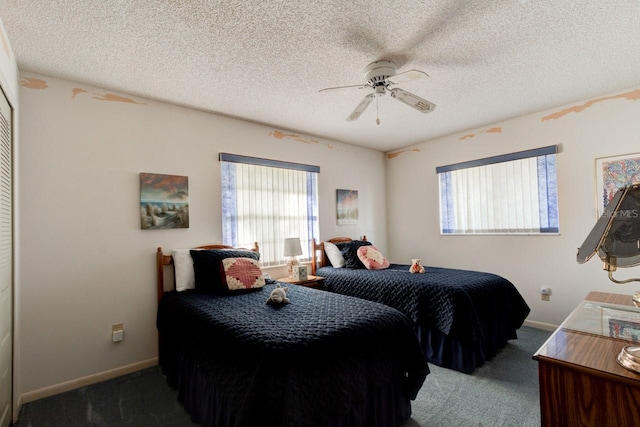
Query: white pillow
334, 255
183, 267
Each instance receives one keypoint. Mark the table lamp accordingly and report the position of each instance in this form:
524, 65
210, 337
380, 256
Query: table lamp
616, 240
292, 249
616, 235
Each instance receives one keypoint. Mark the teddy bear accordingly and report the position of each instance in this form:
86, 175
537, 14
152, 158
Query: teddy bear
416, 267
279, 296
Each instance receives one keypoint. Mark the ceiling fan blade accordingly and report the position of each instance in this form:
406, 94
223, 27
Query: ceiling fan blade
328, 89
408, 76
412, 100
355, 115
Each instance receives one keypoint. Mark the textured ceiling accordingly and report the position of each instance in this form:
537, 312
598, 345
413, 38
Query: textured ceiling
265, 61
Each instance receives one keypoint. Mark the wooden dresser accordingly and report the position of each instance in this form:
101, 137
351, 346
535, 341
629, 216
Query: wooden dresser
581, 382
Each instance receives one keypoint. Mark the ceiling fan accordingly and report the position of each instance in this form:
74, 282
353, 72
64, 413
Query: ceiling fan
380, 77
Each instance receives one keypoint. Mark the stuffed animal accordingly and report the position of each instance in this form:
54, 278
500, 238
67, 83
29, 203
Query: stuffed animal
279, 296
416, 267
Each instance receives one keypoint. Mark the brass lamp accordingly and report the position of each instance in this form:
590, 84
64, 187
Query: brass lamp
616, 235
616, 239
292, 248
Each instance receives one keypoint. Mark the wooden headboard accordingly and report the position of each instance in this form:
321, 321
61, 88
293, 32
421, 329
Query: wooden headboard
163, 260
317, 262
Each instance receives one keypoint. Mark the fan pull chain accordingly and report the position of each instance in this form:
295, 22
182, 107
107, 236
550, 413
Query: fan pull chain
377, 111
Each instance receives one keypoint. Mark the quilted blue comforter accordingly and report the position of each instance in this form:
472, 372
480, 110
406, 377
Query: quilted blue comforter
302, 363
455, 302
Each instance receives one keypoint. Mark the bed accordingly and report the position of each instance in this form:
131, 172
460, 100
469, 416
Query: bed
322, 360
462, 318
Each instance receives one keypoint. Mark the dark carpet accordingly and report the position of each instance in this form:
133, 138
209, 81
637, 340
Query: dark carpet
503, 392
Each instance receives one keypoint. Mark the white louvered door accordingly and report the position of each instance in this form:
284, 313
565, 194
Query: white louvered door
6, 262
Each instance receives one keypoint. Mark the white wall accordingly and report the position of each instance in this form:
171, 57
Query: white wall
607, 126
85, 262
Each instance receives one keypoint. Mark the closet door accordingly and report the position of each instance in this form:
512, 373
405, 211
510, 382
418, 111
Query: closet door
6, 262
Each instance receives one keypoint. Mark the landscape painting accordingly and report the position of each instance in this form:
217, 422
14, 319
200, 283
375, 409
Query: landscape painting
347, 206
164, 201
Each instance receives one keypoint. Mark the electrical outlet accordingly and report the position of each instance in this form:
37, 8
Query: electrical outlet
117, 332
545, 293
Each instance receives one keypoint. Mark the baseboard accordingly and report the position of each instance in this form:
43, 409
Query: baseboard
16, 409
138, 366
540, 325
85, 381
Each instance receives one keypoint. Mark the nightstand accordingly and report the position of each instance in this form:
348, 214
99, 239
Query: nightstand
580, 379
316, 282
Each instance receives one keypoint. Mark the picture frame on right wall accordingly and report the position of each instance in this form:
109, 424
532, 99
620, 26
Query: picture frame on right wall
347, 206
612, 173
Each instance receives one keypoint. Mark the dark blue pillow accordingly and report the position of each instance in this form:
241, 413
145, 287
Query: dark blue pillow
207, 267
349, 252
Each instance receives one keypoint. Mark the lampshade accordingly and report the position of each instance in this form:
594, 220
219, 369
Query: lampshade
292, 246
616, 235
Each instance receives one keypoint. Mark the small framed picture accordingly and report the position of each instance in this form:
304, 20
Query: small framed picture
347, 206
613, 173
164, 201
299, 273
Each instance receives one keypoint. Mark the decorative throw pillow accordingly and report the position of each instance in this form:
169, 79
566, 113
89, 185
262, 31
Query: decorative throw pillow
208, 269
334, 255
241, 274
372, 258
183, 268
349, 251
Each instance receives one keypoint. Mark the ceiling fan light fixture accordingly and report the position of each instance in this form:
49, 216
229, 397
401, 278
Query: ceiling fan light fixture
379, 76
378, 72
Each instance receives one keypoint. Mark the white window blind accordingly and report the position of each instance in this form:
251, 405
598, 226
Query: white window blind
268, 201
512, 193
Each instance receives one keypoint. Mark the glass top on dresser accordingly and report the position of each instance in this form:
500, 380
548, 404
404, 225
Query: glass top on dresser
604, 319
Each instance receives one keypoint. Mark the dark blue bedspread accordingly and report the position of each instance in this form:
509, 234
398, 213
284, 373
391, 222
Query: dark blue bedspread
455, 302
302, 363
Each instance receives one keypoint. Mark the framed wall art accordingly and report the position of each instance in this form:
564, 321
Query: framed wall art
347, 206
612, 173
164, 201
621, 324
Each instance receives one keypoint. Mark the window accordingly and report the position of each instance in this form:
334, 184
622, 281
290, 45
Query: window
512, 193
267, 201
